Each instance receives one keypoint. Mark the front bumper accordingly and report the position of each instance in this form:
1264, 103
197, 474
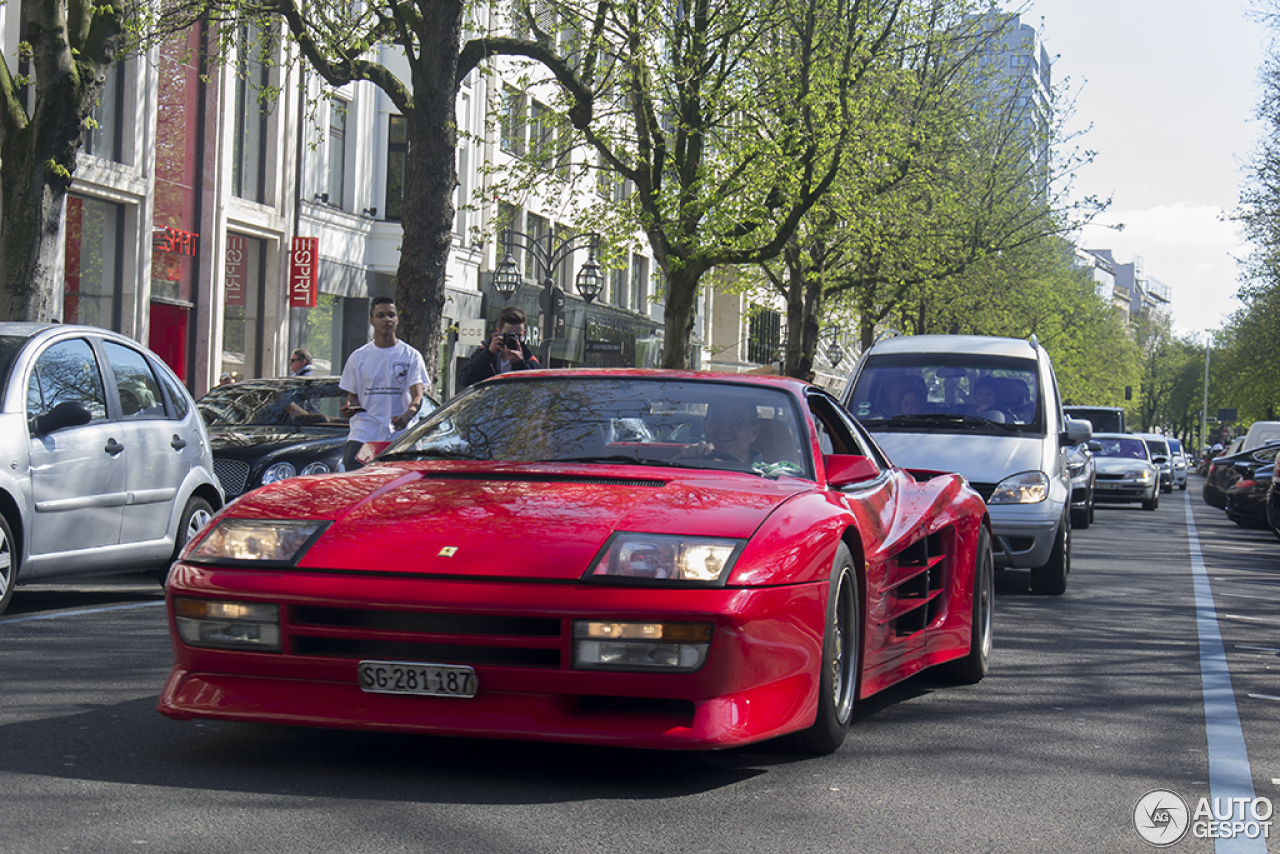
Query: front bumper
1024, 534
759, 680
1119, 492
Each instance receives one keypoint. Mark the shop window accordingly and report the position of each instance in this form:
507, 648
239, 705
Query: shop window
92, 259
242, 307
764, 336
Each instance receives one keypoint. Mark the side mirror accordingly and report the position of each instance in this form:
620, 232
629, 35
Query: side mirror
69, 413
1095, 445
1078, 431
1159, 459
847, 469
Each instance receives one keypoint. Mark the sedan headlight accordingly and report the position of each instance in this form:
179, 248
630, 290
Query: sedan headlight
1030, 487
277, 472
228, 625
275, 541
663, 558
318, 467
1144, 475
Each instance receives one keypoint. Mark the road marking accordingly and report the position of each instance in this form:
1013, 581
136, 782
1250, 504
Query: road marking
1229, 772
80, 612
1257, 648
1264, 697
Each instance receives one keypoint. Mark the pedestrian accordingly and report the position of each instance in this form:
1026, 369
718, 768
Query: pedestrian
300, 362
384, 382
506, 350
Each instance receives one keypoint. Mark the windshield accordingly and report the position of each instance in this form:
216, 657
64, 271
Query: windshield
1128, 448
911, 389
635, 420
9, 347
1157, 447
291, 403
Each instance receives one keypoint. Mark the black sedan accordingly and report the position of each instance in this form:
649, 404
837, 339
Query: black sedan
1247, 499
267, 430
1225, 470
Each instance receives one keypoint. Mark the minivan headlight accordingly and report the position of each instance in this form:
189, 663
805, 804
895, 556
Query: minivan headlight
1030, 487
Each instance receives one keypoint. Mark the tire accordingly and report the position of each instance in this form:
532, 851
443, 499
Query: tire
195, 516
841, 662
9, 558
1083, 518
1051, 579
1153, 502
971, 669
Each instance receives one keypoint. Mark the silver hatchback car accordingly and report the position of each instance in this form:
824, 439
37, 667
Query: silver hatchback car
107, 463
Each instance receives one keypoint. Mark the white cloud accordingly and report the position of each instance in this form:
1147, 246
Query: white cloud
1179, 224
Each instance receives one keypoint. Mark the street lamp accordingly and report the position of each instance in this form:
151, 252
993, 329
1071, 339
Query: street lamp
548, 253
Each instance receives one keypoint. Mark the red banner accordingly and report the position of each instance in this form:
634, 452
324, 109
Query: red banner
304, 266
237, 248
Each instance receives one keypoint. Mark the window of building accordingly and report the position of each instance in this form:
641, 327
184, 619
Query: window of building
512, 131
764, 336
105, 135
542, 135
249, 159
618, 287
397, 154
508, 218
338, 109
537, 230
640, 284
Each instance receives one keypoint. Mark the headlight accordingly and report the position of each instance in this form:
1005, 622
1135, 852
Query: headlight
228, 625
318, 467
277, 472
1144, 476
609, 645
277, 541
1030, 487
662, 558
1074, 468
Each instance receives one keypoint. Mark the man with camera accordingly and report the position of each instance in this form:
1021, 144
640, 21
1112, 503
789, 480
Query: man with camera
506, 351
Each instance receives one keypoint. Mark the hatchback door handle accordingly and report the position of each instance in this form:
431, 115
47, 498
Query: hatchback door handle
177, 442
113, 447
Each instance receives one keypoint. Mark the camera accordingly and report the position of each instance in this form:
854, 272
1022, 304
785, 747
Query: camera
511, 341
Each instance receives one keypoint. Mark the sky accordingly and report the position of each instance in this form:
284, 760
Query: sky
1165, 93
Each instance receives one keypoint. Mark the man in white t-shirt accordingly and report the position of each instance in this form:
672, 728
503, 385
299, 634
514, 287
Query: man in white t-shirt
384, 381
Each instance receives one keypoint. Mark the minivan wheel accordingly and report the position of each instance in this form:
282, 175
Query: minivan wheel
1051, 579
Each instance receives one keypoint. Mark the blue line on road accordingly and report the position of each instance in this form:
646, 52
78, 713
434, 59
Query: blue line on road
58, 614
1229, 772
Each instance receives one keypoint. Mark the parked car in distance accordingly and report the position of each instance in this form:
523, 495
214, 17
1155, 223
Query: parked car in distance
1126, 472
1083, 475
1158, 445
109, 467
1260, 433
526, 563
1105, 419
1226, 469
1247, 498
267, 430
1181, 463
989, 409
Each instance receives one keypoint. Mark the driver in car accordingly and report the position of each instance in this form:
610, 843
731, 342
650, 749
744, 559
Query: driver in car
730, 428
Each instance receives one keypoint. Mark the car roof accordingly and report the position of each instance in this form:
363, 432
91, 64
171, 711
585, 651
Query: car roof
981, 344
758, 380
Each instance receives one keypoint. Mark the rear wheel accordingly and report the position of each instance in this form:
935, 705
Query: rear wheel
973, 667
1051, 579
8, 564
841, 662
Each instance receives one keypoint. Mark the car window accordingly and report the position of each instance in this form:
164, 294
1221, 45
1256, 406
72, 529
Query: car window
689, 423
179, 400
836, 432
272, 403
67, 371
912, 386
1127, 448
137, 388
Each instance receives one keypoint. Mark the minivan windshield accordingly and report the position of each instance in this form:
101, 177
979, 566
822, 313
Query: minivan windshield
941, 391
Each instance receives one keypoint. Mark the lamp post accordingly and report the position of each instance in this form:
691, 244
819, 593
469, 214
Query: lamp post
548, 253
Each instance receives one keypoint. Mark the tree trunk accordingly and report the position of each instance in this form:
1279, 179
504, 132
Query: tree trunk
679, 315
430, 181
32, 212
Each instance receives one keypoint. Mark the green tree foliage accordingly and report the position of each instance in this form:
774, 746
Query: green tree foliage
731, 120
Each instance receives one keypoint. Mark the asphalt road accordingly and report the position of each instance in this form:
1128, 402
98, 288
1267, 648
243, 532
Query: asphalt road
1095, 699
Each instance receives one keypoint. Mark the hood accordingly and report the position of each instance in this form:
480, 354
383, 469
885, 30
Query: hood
255, 440
499, 520
1121, 465
981, 459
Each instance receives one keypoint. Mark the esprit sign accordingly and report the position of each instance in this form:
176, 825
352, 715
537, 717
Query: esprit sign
237, 247
304, 263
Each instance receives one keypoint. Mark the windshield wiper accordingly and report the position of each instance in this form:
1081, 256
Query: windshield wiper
430, 453
952, 419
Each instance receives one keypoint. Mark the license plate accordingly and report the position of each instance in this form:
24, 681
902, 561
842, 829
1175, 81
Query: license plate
412, 677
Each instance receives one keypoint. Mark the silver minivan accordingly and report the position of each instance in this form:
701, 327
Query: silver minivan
107, 465
989, 409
